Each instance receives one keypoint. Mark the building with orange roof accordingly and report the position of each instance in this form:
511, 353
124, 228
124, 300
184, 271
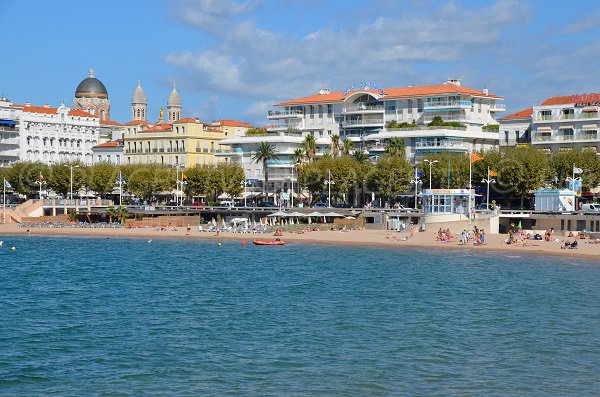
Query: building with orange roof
46, 134
557, 123
185, 142
369, 116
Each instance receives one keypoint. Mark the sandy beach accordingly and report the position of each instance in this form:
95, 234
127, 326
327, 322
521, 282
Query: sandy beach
372, 238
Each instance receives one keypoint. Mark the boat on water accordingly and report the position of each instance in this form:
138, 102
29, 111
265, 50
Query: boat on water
268, 242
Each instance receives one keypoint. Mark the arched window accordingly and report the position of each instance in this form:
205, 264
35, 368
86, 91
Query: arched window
138, 113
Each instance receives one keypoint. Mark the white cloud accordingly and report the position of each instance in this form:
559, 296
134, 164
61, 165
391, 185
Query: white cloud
207, 14
259, 108
590, 22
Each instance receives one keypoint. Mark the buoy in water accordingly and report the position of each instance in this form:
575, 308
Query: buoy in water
13, 248
149, 241
219, 244
1, 243
243, 243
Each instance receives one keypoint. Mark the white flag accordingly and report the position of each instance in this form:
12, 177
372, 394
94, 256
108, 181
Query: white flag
577, 170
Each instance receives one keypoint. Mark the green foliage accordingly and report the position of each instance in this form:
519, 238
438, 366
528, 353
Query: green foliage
227, 178
256, 131
395, 147
102, 178
118, 214
391, 175
59, 177
335, 145
561, 166
437, 121
397, 124
347, 147
148, 180
310, 147
24, 177
524, 169
459, 170
265, 152
491, 128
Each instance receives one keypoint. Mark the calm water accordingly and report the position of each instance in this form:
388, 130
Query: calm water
104, 317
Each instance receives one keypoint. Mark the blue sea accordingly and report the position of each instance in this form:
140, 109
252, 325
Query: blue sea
125, 317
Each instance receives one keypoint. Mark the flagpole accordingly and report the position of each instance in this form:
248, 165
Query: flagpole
573, 187
120, 189
40, 182
4, 201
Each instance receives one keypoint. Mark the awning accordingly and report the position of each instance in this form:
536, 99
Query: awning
589, 127
544, 129
566, 127
590, 109
8, 122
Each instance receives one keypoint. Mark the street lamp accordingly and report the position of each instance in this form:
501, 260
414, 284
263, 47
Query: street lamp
488, 181
71, 166
431, 163
244, 183
329, 182
177, 183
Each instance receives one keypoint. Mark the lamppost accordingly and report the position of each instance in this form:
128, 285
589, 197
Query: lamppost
177, 183
71, 166
244, 183
431, 163
329, 182
488, 181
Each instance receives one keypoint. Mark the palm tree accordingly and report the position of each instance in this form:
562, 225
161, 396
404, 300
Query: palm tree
310, 147
299, 156
360, 156
395, 146
335, 145
347, 147
265, 152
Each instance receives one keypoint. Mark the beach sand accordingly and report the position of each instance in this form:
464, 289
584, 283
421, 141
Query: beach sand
372, 238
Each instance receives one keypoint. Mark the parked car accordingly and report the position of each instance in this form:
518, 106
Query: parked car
265, 204
320, 205
241, 204
171, 204
198, 204
484, 207
590, 207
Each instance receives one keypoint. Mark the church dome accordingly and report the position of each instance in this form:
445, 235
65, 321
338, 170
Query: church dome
174, 99
91, 87
138, 95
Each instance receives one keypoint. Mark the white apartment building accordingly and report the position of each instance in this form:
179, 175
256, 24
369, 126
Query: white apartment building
361, 114
564, 122
46, 134
515, 128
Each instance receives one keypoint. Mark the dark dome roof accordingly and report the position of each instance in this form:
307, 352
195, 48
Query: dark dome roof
91, 87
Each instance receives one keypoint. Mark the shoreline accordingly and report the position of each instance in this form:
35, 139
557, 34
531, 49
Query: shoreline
370, 238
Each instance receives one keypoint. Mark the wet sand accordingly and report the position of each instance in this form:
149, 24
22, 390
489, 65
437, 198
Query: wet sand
373, 238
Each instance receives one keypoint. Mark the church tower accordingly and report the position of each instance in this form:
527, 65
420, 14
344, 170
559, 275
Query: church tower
91, 96
174, 106
138, 103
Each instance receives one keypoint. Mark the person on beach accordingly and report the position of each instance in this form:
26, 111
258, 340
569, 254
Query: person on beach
412, 229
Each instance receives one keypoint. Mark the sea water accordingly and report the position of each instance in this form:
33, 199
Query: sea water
128, 317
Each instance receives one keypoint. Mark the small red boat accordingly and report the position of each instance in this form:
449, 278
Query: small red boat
268, 242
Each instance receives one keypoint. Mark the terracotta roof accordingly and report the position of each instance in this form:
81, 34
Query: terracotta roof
159, 128
81, 113
571, 99
232, 123
137, 122
187, 120
109, 122
110, 144
390, 93
521, 114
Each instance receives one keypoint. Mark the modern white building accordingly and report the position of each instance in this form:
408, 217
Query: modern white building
563, 122
111, 146
362, 114
46, 134
515, 128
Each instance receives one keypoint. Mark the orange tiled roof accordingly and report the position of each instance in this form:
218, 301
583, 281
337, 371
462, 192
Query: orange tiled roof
187, 120
137, 122
521, 114
159, 128
571, 99
232, 123
109, 122
390, 93
110, 144
81, 113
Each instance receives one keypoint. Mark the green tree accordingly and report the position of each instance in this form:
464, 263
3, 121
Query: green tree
228, 178
24, 177
299, 156
335, 145
265, 152
198, 180
59, 177
102, 178
524, 169
347, 147
310, 147
561, 167
147, 180
391, 175
395, 146
256, 131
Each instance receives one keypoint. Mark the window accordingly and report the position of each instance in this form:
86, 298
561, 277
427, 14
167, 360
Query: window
329, 110
321, 111
419, 105
506, 136
410, 107
312, 112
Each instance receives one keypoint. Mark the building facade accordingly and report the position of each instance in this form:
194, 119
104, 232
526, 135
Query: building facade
515, 128
91, 96
368, 116
10, 120
186, 142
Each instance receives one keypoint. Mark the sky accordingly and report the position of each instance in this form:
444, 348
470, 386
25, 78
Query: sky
235, 59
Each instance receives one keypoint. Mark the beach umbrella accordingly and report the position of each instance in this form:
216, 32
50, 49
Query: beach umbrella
277, 214
519, 225
333, 214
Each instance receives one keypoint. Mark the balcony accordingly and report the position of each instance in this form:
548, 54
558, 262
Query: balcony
542, 137
441, 145
284, 127
438, 106
9, 141
565, 137
363, 108
362, 123
276, 114
497, 107
588, 135
589, 115
567, 116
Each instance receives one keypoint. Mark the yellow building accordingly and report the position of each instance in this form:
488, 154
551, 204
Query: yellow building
186, 142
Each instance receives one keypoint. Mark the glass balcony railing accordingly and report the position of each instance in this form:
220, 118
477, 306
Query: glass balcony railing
447, 104
567, 116
363, 107
542, 137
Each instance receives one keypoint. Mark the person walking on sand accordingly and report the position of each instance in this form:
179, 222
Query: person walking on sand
412, 229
